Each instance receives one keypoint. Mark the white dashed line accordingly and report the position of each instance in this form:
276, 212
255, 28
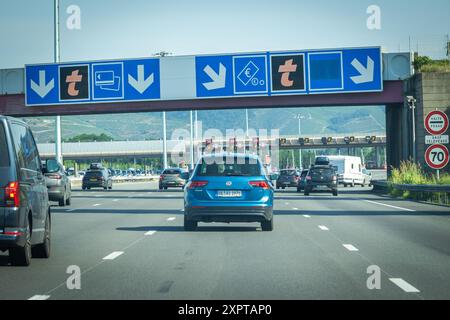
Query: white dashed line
39, 297
150, 233
96, 205
390, 206
306, 216
323, 228
71, 210
171, 219
113, 255
350, 247
294, 208
115, 200
405, 286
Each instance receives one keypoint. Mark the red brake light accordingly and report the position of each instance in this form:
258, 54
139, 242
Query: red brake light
12, 194
54, 176
161, 177
259, 184
197, 184
308, 177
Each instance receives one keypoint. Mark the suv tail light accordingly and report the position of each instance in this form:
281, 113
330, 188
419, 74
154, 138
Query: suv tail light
334, 178
259, 184
12, 194
308, 178
197, 184
161, 177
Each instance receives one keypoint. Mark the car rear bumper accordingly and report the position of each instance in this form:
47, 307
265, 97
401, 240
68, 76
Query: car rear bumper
55, 193
10, 241
92, 184
173, 184
229, 214
324, 186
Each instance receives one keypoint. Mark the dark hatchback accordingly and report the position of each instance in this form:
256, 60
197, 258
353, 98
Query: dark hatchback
24, 204
97, 179
288, 178
321, 178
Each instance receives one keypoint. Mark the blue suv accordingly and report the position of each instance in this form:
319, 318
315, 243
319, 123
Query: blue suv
229, 188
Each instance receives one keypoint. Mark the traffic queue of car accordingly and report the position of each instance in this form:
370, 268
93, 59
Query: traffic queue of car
223, 188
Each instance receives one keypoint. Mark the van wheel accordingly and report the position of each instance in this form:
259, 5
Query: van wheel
306, 193
335, 193
189, 225
299, 189
353, 184
267, 225
21, 256
68, 200
43, 250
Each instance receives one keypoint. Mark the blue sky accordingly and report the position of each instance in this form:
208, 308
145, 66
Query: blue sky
138, 28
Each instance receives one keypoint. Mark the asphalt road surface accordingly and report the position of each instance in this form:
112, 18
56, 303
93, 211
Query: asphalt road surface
129, 243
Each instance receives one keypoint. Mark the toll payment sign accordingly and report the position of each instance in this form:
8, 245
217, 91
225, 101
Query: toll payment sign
436, 156
436, 123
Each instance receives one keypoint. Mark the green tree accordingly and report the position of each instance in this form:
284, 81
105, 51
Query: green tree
90, 137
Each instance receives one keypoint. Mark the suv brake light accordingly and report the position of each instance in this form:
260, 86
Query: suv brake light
259, 184
161, 177
197, 184
12, 194
308, 177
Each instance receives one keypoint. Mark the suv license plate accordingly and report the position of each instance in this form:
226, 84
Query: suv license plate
229, 194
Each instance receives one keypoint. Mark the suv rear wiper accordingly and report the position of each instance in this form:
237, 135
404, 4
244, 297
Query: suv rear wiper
237, 175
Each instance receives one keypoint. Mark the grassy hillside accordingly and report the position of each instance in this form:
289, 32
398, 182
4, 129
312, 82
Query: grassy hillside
139, 126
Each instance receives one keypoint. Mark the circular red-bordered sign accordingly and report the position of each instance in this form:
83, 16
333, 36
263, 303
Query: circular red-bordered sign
436, 122
436, 156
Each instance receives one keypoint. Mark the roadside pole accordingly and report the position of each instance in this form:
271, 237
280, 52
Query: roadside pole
164, 141
58, 148
191, 146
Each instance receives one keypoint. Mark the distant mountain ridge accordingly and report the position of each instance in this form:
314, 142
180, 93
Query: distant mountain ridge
146, 126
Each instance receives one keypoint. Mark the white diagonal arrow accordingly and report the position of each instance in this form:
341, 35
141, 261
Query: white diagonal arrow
42, 89
218, 80
366, 73
141, 84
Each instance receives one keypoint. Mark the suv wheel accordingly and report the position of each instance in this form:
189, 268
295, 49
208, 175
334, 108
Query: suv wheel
189, 225
43, 250
267, 225
335, 193
353, 184
21, 256
62, 201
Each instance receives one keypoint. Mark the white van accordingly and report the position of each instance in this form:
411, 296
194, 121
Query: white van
349, 170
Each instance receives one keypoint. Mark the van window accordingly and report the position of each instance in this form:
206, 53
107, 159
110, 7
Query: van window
26, 150
4, 157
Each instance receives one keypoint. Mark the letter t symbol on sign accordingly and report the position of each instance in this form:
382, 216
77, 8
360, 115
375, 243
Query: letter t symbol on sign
72, 80
286, 69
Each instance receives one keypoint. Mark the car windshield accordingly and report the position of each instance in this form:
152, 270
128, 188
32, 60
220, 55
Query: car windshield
229, 167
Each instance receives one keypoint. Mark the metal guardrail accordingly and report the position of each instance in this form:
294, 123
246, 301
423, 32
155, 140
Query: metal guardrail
437, 194
77, 181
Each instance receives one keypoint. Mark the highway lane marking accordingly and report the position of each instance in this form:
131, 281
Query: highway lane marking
39, 297
71, 210
113, 255
96, 205
150, 233
295, 208
390, 206
323, 228
171, 219
115, 200
405, 286
350, 247
307, 216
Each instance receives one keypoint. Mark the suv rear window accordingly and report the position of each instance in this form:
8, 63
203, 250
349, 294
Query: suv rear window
288, 172
224, 167
171, 171
4, 157
322, 172
94, 174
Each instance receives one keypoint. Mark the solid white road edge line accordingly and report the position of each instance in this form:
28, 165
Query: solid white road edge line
350, 247
39, 297
113, 255
150, 233
405, 286
390, 206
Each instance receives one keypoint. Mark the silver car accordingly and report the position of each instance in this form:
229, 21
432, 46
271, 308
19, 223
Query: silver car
58, 184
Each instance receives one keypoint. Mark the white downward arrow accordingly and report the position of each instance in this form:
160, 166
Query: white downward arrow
218, 80
141, 84
42, 89
366, 74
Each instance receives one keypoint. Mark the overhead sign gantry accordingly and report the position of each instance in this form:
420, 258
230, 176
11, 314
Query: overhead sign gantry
304, 72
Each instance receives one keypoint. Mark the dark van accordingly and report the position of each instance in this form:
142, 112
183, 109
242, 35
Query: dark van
24, 205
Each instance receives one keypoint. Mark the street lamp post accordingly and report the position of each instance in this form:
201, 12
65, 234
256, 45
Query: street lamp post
299, 117
58, 148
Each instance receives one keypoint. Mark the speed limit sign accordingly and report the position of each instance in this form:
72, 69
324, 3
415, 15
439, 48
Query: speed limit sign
436, 156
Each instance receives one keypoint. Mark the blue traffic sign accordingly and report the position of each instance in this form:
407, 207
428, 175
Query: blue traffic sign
207, 76
89, 82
